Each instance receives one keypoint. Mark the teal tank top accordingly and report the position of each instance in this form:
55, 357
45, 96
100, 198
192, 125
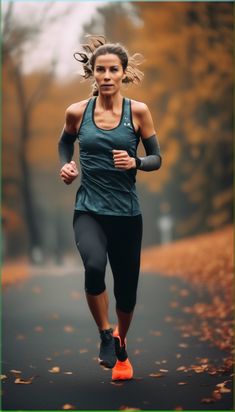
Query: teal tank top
105, 189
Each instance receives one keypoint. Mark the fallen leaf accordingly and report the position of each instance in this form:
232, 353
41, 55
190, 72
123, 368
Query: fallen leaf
68, 406
224, 390
198, 369
3, 377
168, 319
75, 295
15, 373
69, 329
208, 400
222, 384
183, 345
183, 292
155, 332
20, 337
182, 368
174, 304
38, 329
163, 370
182, 383
216, 395
212, 372
24, 381
185, 335
83, 350
55, 369
68, 373
156, 375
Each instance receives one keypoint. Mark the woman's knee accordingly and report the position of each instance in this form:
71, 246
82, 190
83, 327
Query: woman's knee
94, 277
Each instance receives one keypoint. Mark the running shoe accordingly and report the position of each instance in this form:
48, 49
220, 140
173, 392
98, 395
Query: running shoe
107, 355
123, 369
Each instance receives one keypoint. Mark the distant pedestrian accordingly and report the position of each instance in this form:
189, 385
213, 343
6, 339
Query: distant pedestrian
107, 218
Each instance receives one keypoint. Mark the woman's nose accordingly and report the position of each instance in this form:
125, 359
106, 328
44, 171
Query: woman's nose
107, 75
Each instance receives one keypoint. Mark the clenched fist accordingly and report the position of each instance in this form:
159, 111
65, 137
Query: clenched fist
69, 172
122, 160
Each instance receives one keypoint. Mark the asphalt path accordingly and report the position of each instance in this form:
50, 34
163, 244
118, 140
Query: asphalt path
51, 342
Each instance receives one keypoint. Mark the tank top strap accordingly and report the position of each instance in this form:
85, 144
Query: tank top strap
126, 116
89, 107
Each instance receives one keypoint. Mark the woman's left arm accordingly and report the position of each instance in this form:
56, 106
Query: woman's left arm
153, 159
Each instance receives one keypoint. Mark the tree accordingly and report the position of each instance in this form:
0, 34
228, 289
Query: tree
18, 36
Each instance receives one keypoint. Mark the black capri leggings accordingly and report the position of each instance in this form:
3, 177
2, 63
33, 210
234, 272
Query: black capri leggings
119, 238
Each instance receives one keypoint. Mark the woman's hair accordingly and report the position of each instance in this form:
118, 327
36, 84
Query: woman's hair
97, 46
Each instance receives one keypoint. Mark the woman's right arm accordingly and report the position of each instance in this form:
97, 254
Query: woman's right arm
68, 136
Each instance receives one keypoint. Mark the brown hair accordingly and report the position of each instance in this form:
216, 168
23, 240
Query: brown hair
97, 46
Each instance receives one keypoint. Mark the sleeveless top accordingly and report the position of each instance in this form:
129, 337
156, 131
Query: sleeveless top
105, 189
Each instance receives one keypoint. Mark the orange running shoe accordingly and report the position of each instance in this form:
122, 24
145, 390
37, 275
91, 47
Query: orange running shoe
123, 369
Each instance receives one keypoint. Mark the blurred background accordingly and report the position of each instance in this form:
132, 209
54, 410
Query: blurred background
188, 86
185, 312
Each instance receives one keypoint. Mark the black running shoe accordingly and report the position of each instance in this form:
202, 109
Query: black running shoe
121, 352
107, 355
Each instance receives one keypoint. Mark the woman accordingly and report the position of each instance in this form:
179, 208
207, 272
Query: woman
107, 218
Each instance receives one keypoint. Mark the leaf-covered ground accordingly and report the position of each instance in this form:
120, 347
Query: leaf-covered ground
206, 262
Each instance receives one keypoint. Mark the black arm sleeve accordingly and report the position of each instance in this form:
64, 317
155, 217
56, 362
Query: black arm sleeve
66, 147
153, 159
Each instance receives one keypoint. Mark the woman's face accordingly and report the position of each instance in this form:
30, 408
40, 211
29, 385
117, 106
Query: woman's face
108, 74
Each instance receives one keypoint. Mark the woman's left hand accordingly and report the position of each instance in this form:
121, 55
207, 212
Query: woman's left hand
122, 160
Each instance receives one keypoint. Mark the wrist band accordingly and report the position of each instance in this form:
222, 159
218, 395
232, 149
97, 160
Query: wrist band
138, 162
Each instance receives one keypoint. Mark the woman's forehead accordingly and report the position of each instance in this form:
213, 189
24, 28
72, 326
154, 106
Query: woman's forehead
108, 59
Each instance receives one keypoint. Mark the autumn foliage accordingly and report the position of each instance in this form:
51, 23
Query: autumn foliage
188, 51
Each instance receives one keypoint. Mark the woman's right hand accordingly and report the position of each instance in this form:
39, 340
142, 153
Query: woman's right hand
69, 172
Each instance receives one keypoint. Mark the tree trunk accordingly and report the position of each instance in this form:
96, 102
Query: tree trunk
34, 246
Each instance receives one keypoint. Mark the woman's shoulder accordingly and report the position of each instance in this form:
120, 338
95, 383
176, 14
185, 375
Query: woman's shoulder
75, 110
139, 108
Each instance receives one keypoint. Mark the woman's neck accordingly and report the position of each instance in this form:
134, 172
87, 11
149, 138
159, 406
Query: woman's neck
109, 102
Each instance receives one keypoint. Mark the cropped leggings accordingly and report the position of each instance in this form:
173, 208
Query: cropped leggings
118, 238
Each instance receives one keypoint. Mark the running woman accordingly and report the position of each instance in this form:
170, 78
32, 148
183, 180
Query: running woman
107, 218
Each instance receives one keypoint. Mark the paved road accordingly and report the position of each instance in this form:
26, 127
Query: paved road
46, 324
